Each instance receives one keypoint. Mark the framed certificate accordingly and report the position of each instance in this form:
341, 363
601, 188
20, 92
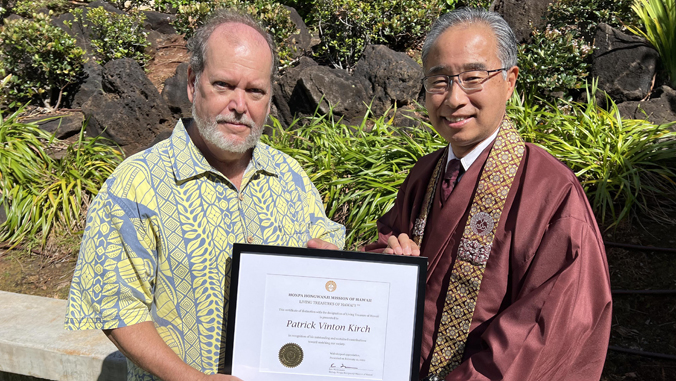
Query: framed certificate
305, 314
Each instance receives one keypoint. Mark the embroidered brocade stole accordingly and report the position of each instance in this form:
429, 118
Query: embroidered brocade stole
475, 246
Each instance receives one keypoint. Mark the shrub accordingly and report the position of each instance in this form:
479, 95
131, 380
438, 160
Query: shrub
586, 14
26, 8
273, 16
303, 7
40, 193
3, 83
115, 35
127, 5
347, 26
357, 172
625, 166
485, 4
557, 60
42, 59
5, 6
659, 20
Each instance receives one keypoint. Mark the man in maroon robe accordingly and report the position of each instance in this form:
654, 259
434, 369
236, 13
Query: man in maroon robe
543, 311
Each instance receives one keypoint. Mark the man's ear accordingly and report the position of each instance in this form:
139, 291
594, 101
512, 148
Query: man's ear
191, 84
512, 75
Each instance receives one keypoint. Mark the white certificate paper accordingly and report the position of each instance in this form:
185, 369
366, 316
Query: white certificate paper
304, 318
339, 324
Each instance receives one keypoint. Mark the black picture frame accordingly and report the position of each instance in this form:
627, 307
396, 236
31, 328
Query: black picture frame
228, 329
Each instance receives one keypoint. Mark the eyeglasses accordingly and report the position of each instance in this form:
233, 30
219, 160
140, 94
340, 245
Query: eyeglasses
470, 81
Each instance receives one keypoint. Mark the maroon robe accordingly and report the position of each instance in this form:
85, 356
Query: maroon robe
544, 307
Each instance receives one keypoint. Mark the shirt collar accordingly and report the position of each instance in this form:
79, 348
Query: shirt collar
188, 162
471, 157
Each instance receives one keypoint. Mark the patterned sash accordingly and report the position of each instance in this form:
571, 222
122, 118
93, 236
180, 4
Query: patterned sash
475, 246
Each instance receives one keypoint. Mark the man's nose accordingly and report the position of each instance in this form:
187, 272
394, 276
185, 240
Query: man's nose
455, 96
238, 101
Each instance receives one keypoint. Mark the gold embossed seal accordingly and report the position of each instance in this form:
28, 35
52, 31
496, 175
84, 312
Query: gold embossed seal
291, 355
331, 286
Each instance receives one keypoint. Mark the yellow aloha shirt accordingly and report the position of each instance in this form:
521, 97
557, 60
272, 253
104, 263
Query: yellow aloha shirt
160, 233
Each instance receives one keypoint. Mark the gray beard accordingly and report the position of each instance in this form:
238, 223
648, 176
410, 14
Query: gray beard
208, 130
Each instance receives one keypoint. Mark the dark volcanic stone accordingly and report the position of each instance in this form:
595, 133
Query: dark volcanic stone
280, 109
301, 41
320, 87
159, 22
289, 80
90, 84
521, 14
62, 126
130, 111
389, 78
624, 65
175, 92
659, 110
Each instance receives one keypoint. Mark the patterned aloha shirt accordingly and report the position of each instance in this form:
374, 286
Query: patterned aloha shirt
159, 236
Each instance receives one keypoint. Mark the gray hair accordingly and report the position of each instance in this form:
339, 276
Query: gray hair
507, 45
198, 43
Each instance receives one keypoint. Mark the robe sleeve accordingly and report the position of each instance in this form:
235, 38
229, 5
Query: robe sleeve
558, 326
395, 221
406, 209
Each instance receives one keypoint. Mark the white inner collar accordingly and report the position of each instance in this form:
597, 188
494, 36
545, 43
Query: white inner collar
471, 157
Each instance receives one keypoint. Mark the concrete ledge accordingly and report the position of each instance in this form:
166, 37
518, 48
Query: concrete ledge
34, 343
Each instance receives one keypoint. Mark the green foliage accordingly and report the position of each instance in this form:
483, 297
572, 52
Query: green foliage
41, 58
586, 14
190, 15
4, 80
555, 61
303, 7
558, 59
40, 193
346, 27
115, 35
485, 4
5, 6
625, 166
127, 5
26, 8
659, 20
357, 172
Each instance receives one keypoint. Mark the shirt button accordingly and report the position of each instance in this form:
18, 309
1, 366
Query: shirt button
250, 239
241, 197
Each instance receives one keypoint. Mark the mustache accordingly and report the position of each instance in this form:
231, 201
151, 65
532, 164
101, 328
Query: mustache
231, 118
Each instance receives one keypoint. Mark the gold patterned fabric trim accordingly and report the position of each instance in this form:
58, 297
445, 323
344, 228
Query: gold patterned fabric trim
475, 248
421, 221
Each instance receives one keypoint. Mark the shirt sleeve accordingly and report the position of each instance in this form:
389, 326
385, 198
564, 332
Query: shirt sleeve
558, 327
115, 272
320, 225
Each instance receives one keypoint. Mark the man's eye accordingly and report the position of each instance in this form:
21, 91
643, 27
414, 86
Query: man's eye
221, 84
472, 78
256, 93
438, 83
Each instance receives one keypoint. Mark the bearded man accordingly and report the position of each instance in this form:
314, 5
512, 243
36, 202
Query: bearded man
518, 286
153, 269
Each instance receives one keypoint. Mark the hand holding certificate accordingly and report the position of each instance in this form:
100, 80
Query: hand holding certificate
299, 314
